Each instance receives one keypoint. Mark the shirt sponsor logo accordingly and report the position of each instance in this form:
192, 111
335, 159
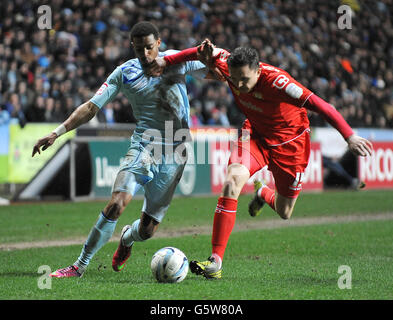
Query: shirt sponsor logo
250, 105
131, 73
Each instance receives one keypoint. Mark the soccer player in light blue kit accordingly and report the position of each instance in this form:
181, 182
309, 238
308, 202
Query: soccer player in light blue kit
153, 160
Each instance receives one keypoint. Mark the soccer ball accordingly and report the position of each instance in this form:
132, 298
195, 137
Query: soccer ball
169, 264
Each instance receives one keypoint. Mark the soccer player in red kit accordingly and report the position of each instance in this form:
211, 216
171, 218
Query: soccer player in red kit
276, 133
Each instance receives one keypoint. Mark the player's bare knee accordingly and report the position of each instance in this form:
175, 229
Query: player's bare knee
116, 205
236, 178
113, 211
229, 189
285, 216
285, 213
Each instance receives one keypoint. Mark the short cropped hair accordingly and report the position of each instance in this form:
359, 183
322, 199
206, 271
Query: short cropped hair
243, 56
143, 29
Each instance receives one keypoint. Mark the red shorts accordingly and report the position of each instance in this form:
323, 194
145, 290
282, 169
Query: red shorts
287, 162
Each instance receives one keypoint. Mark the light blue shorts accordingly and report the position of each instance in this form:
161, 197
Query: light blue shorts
158, 175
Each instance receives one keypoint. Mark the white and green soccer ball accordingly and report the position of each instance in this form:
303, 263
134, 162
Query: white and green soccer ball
169, 264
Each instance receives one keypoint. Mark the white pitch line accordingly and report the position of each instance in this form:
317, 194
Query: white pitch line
252, 224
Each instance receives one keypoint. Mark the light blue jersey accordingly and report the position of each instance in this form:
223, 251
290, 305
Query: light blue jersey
154, 100
161, 107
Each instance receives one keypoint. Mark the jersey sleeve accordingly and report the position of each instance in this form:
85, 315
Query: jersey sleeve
108, 90
219, 60
196, 69
281, 87
330, 114
193, 68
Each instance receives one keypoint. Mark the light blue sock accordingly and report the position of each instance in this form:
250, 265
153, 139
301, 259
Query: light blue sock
99, 235
132, 234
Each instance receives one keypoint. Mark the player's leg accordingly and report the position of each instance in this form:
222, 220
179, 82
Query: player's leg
225, 213
223, 222
158, 195
135, 172
129, 182
99, 235
290, 161
140, 230
245, 160
284, 206
258, 201
125, 186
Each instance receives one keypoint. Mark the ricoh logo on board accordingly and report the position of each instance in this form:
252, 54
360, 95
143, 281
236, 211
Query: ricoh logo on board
312, 178
377, 169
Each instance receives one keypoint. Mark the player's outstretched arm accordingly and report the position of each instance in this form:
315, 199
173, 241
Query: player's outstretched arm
203, 53
358, 145
156, 68
84, 113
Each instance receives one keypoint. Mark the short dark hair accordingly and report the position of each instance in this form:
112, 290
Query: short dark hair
243, 56
143, 29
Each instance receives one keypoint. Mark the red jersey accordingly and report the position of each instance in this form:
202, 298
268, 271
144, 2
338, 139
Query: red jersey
275, 106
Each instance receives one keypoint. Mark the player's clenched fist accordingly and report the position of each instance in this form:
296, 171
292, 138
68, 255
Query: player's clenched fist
44, 142
156, 67
205, 51
205, 55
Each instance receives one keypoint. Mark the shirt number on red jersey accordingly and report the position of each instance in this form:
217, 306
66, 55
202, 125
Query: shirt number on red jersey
280, 81
297, 183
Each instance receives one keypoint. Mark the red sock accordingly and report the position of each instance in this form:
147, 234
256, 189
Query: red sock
268, 195
224, 220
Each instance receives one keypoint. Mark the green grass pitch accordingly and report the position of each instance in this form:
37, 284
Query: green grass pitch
292, 263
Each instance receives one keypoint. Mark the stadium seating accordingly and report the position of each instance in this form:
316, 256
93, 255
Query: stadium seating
45, 74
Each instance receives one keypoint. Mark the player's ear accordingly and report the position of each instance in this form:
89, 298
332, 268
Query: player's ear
158, 42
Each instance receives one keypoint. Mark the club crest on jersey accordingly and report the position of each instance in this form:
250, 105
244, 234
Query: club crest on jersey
245, 136
237, 92
131, 72
258, 95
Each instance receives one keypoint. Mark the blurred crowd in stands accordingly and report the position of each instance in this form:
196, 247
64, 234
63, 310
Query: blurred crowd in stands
46, 74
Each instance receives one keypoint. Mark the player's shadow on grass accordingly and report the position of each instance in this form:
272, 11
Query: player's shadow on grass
311, 280
110, 277
19, 274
